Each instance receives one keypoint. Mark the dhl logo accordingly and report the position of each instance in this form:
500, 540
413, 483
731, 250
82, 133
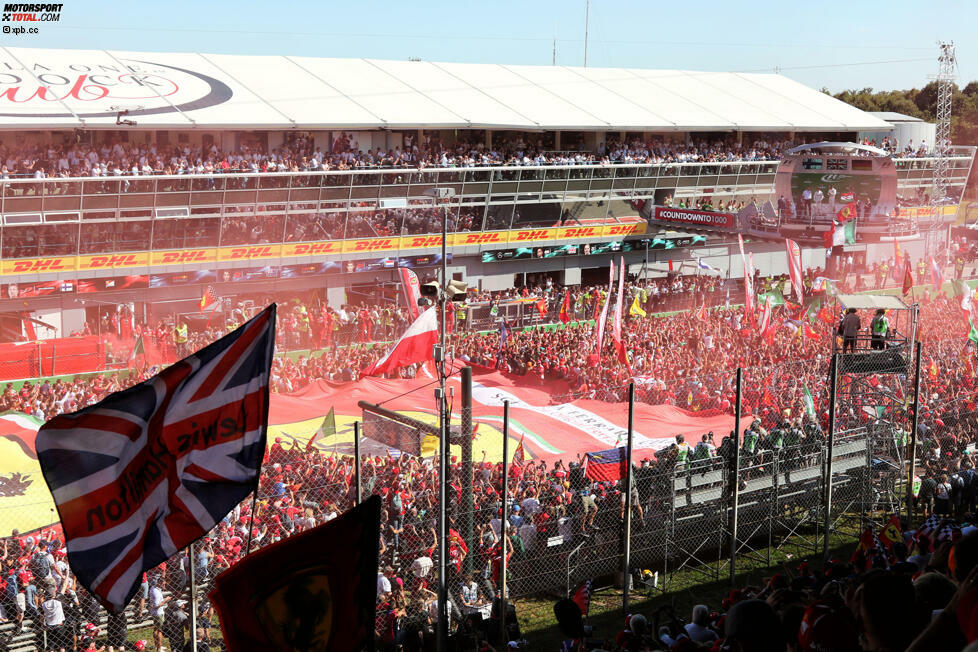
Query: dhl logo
43, 265
623, 229
373, 245
316, 248
478, 238
126, 260
531, 235
251, 252
581, 232
170, 257
425, 241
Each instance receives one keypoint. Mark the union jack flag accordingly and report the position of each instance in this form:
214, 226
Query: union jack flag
149, 470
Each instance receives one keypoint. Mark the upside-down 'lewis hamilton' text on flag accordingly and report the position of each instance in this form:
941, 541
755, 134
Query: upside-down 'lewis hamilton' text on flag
149, 470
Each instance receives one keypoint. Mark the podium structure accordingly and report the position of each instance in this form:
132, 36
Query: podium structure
874, 398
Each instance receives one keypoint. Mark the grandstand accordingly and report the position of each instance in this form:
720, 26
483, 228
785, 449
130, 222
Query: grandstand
154, 175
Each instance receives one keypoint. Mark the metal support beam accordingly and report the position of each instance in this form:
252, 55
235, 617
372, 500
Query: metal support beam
912, 469
827, 505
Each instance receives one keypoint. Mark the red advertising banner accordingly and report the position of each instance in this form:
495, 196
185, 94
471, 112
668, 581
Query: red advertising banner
697, 218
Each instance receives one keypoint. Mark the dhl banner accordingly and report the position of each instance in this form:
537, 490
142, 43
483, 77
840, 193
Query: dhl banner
183, 257
326, 247
298, 249
39, 265
112, 261
249, 252
371, 245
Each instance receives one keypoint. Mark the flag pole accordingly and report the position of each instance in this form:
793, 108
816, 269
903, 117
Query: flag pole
627, 553
254, 506
443, 450
503, 638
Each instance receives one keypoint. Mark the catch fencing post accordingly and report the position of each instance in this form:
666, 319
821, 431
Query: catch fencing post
735, 487
913, 434
503, 638
626, 556
466, 512
193, 598
356, 461
833, 397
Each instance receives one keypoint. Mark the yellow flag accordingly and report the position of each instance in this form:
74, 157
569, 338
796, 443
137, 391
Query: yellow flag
636, 309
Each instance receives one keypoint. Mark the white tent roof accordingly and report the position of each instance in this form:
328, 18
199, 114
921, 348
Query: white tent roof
87, 88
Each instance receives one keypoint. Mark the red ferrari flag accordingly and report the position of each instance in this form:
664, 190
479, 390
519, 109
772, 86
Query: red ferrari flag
907, 279
414, 346
794, 267
748, 280
312, 591
411, 288
564, 315
890, 533
542, 307
149, 470
619, 306
702, 315
765, 316
519, 455
602, 320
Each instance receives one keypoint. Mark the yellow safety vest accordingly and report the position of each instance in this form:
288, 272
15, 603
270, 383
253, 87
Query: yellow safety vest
180, 335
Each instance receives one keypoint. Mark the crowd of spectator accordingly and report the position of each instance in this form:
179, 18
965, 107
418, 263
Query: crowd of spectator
299, 153
685, 359
908, 595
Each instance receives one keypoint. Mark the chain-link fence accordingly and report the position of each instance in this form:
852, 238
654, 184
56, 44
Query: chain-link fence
705, 504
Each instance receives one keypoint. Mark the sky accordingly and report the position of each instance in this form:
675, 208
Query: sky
831, 44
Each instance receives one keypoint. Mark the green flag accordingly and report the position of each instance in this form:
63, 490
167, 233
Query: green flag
138, 349
777, 298
326, 429
813, 309
973, 332
809, 403
494, 310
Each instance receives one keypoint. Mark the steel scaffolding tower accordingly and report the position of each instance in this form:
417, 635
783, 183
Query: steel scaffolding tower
942, 147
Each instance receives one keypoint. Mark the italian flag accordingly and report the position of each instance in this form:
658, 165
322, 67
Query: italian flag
841, 234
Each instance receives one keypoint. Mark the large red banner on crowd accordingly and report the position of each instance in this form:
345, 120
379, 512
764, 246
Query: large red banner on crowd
550, 430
